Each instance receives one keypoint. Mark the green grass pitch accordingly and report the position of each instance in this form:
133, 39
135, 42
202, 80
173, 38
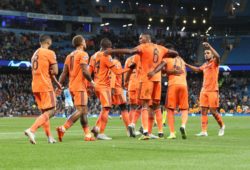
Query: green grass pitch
213, 153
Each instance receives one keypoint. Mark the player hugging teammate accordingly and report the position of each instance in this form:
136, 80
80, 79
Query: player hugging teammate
142, 78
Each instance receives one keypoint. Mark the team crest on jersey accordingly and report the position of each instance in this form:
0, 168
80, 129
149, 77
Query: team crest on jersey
85, 57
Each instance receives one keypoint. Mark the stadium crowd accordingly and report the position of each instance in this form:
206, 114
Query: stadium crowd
16, 98
46, 6
21, 46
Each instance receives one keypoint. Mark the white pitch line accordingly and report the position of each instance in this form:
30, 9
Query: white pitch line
69, 131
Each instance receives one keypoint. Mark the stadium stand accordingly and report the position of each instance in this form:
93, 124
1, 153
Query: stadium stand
63, 7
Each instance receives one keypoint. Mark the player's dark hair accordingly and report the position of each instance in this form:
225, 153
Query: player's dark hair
77, 40
44, 38
105, 43
170, 46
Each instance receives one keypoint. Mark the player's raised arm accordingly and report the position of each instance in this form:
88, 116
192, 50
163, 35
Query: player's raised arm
214, 52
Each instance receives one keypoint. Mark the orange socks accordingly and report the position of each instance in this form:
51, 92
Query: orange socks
158, 116
131, 114
99, 122
204, 122
39, 122
125, 118
171, 120
150, 123
144, 117
68, 124
86, 131
46, 128
104, 119
136, 116
218, 118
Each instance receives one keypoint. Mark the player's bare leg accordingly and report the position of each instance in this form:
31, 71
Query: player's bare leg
219, 120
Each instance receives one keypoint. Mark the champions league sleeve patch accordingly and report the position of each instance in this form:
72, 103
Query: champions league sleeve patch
110, 59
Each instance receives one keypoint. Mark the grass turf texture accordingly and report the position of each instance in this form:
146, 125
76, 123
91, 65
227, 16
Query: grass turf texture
229, 152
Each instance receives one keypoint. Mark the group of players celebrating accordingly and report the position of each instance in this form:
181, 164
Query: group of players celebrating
142, 79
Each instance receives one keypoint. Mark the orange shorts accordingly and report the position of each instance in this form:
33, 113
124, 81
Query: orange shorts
118, 97
177, 96
209, 99
80, 98
45, 100
104, 95
150, 91
133, 97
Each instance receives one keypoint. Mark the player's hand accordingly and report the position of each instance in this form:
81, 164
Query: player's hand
59, 86
90, 91
206, 45
125, 85
151, 74
132, 66
58, 92
92, 83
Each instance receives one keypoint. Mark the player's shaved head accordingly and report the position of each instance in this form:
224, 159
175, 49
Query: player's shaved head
105, 43
78, 40
45, 39
145, 38
147, 35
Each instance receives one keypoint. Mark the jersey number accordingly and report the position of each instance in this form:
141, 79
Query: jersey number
35, 62
71, 63
97, 66
156, 55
